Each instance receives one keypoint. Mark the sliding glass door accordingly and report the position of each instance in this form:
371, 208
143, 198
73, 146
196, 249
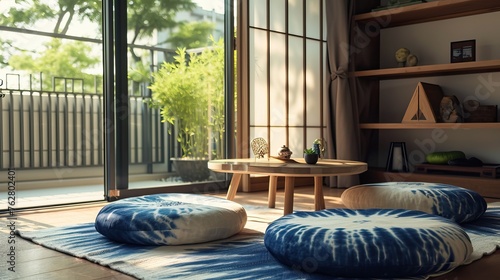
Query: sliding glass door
170, 104
51, 103
84, 85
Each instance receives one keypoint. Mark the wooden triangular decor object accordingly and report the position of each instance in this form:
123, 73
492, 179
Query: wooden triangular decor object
413, 112
424, 104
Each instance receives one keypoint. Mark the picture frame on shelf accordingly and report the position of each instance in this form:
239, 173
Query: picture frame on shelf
463, 51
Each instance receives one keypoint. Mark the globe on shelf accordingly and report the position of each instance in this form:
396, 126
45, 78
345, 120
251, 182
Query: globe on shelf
401, 56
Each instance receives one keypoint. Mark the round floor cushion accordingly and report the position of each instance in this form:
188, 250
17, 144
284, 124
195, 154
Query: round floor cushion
170, 219
452, 202
368, 243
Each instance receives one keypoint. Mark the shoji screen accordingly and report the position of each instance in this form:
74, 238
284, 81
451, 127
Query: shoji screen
285, 73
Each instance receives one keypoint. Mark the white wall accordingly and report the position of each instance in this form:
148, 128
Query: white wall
431, 43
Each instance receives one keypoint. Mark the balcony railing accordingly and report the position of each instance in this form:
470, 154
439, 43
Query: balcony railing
46, 129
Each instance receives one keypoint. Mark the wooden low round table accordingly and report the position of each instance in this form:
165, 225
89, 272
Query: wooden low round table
288, 169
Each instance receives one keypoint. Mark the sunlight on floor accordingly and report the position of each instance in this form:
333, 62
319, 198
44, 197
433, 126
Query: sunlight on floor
67, 195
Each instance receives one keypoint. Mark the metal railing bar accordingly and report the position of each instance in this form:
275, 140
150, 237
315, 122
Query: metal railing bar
11, 132
21, 127
160, 138
101, 129
75, 134
136, 131
98, 130
49, 130
84, 133
40, 138
31, 130
40, 121
157, 128
91, 124
155, 140
58, 133
146, 137
66, 130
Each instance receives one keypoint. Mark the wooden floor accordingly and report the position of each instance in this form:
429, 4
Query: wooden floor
35, 262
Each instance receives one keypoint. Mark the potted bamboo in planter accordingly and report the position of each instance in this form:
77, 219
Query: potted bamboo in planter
190, 95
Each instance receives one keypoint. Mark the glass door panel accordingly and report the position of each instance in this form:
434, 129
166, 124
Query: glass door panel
176, 89
51, 149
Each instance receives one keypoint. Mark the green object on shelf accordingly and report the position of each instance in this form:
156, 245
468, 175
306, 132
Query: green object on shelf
444, 157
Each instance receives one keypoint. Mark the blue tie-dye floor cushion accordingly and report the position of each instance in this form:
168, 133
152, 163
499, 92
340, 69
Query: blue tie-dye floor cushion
452, 202
170, 219
374, 243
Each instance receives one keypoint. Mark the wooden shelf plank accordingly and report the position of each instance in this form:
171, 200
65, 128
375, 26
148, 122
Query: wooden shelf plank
487, 187
432, 70
492, 125
430, 11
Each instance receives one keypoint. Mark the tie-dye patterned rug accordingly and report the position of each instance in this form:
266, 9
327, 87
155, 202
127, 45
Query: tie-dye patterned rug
242, 256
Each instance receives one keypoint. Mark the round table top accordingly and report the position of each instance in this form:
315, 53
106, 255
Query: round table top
295, 167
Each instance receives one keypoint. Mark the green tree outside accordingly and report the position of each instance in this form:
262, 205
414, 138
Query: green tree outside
144, 18
58, 59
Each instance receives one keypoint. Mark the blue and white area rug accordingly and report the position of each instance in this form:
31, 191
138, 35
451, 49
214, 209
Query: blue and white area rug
243, 256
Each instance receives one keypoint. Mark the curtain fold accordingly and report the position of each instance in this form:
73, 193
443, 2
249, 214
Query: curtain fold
343, 139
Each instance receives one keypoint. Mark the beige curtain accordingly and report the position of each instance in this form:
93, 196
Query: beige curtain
343, 141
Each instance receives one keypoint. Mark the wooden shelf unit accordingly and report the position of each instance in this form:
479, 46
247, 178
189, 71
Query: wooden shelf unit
430, 11
368, 69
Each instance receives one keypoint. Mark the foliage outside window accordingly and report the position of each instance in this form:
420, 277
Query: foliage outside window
73, 54
190, 94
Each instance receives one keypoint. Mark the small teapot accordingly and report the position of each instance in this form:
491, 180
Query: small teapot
284, 152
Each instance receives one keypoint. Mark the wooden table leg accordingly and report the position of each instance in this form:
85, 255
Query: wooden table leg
273, 186
233, 186
289, 185
319, 199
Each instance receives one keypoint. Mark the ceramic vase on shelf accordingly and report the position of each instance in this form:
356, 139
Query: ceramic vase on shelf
284, 152
317, 149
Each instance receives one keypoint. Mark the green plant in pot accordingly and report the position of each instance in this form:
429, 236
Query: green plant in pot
310, 156
190, 95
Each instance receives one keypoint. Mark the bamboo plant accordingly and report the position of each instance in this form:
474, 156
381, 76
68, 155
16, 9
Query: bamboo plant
190, 95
